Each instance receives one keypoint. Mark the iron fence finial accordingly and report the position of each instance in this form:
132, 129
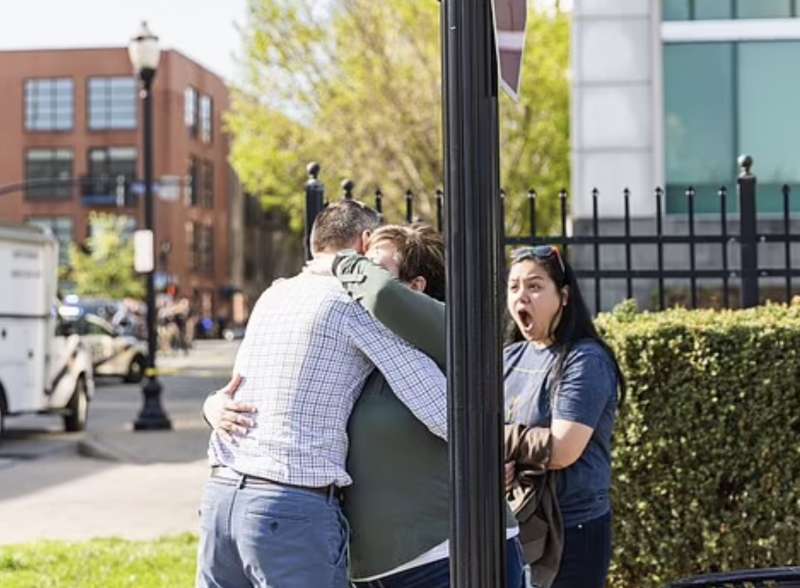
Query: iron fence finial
746, 164
313, 170
347, 187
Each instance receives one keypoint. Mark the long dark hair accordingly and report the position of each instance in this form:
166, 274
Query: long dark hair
575, 324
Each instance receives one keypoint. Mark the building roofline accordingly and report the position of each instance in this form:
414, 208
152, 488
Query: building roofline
56, 49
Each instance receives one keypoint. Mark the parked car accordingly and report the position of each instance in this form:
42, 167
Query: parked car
42, 369
113, 353
126, 316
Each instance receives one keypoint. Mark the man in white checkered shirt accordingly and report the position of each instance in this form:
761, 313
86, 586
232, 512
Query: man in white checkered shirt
270, 516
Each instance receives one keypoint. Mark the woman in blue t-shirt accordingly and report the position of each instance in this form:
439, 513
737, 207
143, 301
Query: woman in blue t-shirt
560, 374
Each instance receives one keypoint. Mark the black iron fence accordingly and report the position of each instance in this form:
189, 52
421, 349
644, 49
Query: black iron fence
657, 262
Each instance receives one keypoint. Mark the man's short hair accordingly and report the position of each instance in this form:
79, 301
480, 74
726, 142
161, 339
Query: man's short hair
421, 251
341, 223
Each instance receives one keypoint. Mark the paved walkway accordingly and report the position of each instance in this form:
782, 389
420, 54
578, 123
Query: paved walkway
111, 481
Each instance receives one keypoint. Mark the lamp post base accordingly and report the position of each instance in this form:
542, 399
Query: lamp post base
152, 417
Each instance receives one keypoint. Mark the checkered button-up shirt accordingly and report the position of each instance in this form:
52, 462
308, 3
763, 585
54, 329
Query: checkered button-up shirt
306, 354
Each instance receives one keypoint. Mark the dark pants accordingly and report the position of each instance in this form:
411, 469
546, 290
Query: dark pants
587, 555
437, 574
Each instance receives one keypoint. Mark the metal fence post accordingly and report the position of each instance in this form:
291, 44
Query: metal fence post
747, 232
315, 202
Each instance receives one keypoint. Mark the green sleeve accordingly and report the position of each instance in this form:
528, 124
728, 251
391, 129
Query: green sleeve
416, 317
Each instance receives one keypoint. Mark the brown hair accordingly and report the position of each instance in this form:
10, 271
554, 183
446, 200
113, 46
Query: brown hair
421, 251
340, 224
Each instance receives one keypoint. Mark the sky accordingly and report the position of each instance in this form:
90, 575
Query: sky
201, 29
204, 30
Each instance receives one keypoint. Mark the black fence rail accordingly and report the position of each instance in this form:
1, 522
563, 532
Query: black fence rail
735, 274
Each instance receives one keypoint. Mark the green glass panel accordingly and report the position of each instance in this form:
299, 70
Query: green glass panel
763, 8
713, 9
676, 9
706, 199
768, 87
699, 125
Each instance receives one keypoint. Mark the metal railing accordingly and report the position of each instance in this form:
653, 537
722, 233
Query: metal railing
736, 284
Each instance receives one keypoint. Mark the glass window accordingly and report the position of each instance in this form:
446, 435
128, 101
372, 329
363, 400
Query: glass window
676, 10
194, 181
62, 228
722, 9
208, 184
205, 249
726, 99
190, 114
699, 107
49, 104
111, 169
48, 174
112, 103
713, 9
763, 8
206, 119
767, 116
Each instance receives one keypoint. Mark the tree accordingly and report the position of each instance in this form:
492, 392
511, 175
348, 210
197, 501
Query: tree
356, 85
106, 269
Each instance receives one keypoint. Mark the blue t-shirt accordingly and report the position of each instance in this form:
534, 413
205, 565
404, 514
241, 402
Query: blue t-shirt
587, 395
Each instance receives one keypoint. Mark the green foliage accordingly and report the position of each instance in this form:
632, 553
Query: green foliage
706, 459
106, 271
356, 85
100, 563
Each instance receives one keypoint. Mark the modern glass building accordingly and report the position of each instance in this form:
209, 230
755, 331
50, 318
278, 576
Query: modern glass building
668, 93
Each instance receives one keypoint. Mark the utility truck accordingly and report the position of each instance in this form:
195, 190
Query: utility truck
44, 368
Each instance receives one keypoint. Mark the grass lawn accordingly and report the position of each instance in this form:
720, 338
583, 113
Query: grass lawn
101, 563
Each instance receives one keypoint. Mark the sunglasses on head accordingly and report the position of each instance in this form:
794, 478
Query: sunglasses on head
538, 252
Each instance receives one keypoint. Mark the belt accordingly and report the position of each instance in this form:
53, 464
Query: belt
242, 480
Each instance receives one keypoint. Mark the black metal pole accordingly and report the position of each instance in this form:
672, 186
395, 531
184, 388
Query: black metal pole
315, 201
747, 232
152, 416
474, 254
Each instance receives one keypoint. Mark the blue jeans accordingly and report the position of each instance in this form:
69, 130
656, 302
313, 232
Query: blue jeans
586, 555
270, 537
437, 574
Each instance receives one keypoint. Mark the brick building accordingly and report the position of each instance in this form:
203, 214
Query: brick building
70, 131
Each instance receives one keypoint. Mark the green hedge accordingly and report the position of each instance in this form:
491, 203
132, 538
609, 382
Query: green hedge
707, 447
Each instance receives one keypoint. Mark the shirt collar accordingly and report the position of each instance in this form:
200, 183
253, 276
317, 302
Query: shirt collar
320, 265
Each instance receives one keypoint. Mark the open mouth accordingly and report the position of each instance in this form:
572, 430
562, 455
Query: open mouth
525, 319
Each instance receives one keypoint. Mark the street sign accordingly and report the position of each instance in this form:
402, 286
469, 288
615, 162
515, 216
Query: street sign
143, 251
510, 17
167, 189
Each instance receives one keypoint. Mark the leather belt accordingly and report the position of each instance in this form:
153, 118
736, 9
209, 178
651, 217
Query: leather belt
243, 480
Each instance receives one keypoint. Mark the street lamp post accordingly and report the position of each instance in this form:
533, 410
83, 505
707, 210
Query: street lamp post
144, 53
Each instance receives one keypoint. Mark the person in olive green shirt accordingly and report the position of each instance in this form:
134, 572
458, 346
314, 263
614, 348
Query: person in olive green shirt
399, 503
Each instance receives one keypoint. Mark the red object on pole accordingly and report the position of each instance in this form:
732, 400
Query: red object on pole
510, 19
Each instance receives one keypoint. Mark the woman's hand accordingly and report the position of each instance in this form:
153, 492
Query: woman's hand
226, 416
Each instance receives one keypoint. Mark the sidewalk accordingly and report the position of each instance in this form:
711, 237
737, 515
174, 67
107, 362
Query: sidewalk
112, 481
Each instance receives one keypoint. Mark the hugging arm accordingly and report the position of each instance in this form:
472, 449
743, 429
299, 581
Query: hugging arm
413, 316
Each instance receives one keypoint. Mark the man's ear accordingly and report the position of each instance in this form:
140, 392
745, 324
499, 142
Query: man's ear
418, 284
363, 241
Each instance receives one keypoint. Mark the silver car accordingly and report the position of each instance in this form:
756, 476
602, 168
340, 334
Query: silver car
113, 354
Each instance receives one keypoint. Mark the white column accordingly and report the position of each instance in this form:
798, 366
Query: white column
616, 113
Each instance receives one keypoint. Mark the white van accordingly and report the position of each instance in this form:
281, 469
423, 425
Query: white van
41, 369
